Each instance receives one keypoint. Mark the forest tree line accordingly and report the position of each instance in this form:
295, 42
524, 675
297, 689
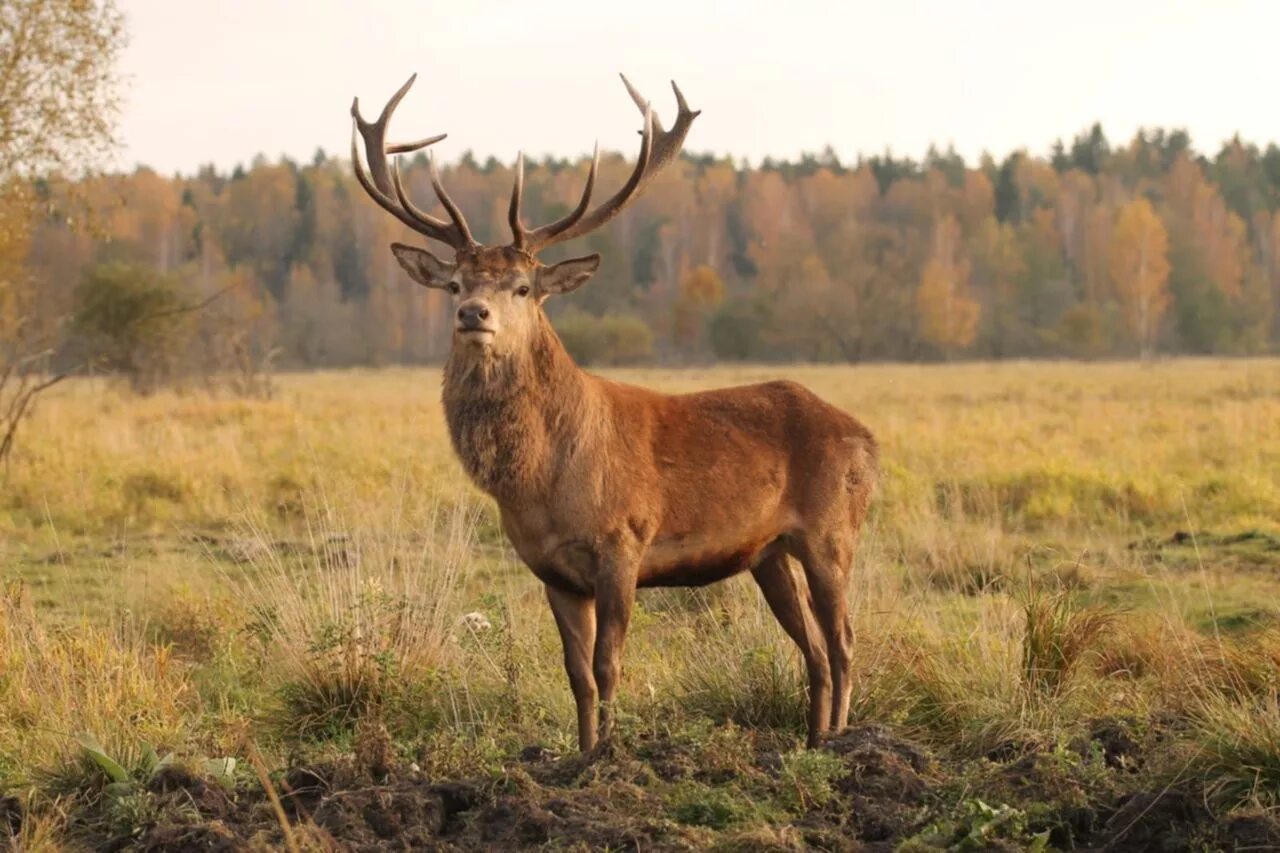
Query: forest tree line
1092, 251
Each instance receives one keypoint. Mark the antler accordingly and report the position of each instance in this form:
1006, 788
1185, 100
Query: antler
658, 147
381, 183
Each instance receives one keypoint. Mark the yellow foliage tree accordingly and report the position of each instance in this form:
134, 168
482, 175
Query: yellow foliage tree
1139, 265
58, 104
948, 317
701, 292
14, 239
1200, 217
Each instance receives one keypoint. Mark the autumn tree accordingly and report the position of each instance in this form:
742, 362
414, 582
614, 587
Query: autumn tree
998, 267
1139, 267
815, 259
1209, 260
701, 292
948, 317
59, 100
59, 90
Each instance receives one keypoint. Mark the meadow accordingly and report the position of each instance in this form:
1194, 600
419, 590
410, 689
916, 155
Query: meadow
291, 622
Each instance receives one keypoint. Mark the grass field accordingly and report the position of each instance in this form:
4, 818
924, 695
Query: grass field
1067, 600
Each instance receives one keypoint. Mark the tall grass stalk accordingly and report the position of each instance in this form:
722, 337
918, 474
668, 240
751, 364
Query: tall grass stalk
58, 682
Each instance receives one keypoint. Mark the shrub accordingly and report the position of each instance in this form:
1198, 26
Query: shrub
613, 339
734, 331
129, 319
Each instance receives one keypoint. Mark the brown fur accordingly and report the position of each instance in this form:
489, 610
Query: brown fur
605, 487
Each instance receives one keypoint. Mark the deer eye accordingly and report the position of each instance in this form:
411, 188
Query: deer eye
455, 288
522, 290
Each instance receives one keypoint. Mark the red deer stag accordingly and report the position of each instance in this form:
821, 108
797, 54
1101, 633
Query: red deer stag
605, 487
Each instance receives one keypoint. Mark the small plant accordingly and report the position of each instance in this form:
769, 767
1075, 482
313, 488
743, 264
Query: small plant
147, 765
128, 805
807, 776
121, 780
715, 807
977, 825
1058, 633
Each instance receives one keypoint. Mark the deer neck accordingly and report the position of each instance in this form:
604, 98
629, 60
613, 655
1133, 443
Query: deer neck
513, 418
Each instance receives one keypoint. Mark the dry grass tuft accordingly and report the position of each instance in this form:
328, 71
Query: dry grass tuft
360, 617
1058, 634
1237, 748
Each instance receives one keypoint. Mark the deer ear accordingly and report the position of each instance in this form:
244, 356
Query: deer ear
422, 266
567, 275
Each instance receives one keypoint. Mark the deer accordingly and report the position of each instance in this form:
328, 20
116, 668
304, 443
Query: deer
605, 488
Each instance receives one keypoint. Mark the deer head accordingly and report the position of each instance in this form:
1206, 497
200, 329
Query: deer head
498, 291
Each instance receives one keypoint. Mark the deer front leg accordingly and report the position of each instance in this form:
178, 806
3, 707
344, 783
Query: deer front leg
615, 596
576, 618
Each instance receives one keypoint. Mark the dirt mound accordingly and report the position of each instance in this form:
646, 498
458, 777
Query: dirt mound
11, 816
887, 779
1250, 832
411, 815
726, 786
1156, 820
614, 817
881, 764
1120, 749
344, 802
213, 837
178, 783
575, 802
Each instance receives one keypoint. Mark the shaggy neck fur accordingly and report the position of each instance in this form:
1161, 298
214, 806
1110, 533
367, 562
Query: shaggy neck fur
511, 417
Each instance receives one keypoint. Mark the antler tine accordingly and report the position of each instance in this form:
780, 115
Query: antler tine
641, 103
459, 221
429, 226
658, 147
375, 135
669, 142
408, 205
410, 147
384, 186
544, 235
513, 212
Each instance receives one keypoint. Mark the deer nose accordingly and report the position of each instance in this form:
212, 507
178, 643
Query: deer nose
471, 315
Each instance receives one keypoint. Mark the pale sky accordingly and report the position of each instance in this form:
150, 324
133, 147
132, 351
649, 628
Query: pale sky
223, 81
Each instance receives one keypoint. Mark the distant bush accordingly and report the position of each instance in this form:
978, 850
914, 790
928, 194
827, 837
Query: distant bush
734, 331
130, 320
612, 339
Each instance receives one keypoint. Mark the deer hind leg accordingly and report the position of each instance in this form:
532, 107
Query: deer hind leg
826, 564
576, 619
788, 597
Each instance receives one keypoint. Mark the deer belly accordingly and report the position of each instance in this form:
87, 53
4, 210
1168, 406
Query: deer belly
698, 569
